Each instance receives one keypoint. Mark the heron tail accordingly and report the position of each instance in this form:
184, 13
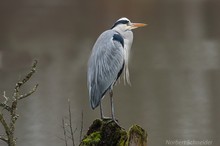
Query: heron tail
94, 97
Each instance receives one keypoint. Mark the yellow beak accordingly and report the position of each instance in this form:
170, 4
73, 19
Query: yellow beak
136, 25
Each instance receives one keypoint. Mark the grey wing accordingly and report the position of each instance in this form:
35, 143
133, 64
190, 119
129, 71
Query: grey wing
105, 65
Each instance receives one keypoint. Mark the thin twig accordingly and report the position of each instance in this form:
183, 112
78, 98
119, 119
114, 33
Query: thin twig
5, 125
29, 93
5, 103
70, 125
5, 106
64, 132
75, 130
3, 139
6, 98
61, 138
81, 129
27, 77
24, 80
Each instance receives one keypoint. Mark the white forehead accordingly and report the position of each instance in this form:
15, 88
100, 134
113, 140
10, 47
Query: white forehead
123, 19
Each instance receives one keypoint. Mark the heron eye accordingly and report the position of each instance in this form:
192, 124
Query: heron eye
128, 23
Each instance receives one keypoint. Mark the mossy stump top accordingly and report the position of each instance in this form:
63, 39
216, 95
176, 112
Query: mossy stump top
108, 133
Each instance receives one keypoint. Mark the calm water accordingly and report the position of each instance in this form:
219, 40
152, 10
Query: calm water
175, 67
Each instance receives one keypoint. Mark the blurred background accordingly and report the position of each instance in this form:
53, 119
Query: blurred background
175, 66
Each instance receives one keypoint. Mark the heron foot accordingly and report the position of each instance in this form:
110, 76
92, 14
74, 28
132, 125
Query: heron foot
116, 122
106, 118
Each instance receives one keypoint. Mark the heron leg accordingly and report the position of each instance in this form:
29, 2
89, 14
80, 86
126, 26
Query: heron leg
112, 107
101, 112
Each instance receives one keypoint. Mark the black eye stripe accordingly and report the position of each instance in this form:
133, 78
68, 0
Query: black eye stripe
120, 22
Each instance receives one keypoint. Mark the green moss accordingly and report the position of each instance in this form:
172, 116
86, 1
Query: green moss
108, 133
123, 139
96, 126
111, 133
137, 134
138, 130
92, 139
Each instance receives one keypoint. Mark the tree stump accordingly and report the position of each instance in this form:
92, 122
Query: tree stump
108, 133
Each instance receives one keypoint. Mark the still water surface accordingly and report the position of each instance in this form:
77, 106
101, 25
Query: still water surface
175, 70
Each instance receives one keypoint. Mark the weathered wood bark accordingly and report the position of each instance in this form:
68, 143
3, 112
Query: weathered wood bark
108, 133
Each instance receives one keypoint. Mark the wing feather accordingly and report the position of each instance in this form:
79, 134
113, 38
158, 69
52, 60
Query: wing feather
105, 65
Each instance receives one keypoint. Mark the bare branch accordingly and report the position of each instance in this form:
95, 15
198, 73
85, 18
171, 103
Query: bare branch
14, 116
24, 80
29, 93
67, 126
9, 125
16, 96
5, 125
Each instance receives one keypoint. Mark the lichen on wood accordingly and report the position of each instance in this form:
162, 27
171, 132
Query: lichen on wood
108, 133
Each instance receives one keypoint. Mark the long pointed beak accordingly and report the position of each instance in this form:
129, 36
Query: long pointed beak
136, 25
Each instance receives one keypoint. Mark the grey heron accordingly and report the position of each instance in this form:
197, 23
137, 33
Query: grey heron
109, 58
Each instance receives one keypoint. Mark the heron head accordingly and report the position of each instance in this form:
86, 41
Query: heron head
125, 24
